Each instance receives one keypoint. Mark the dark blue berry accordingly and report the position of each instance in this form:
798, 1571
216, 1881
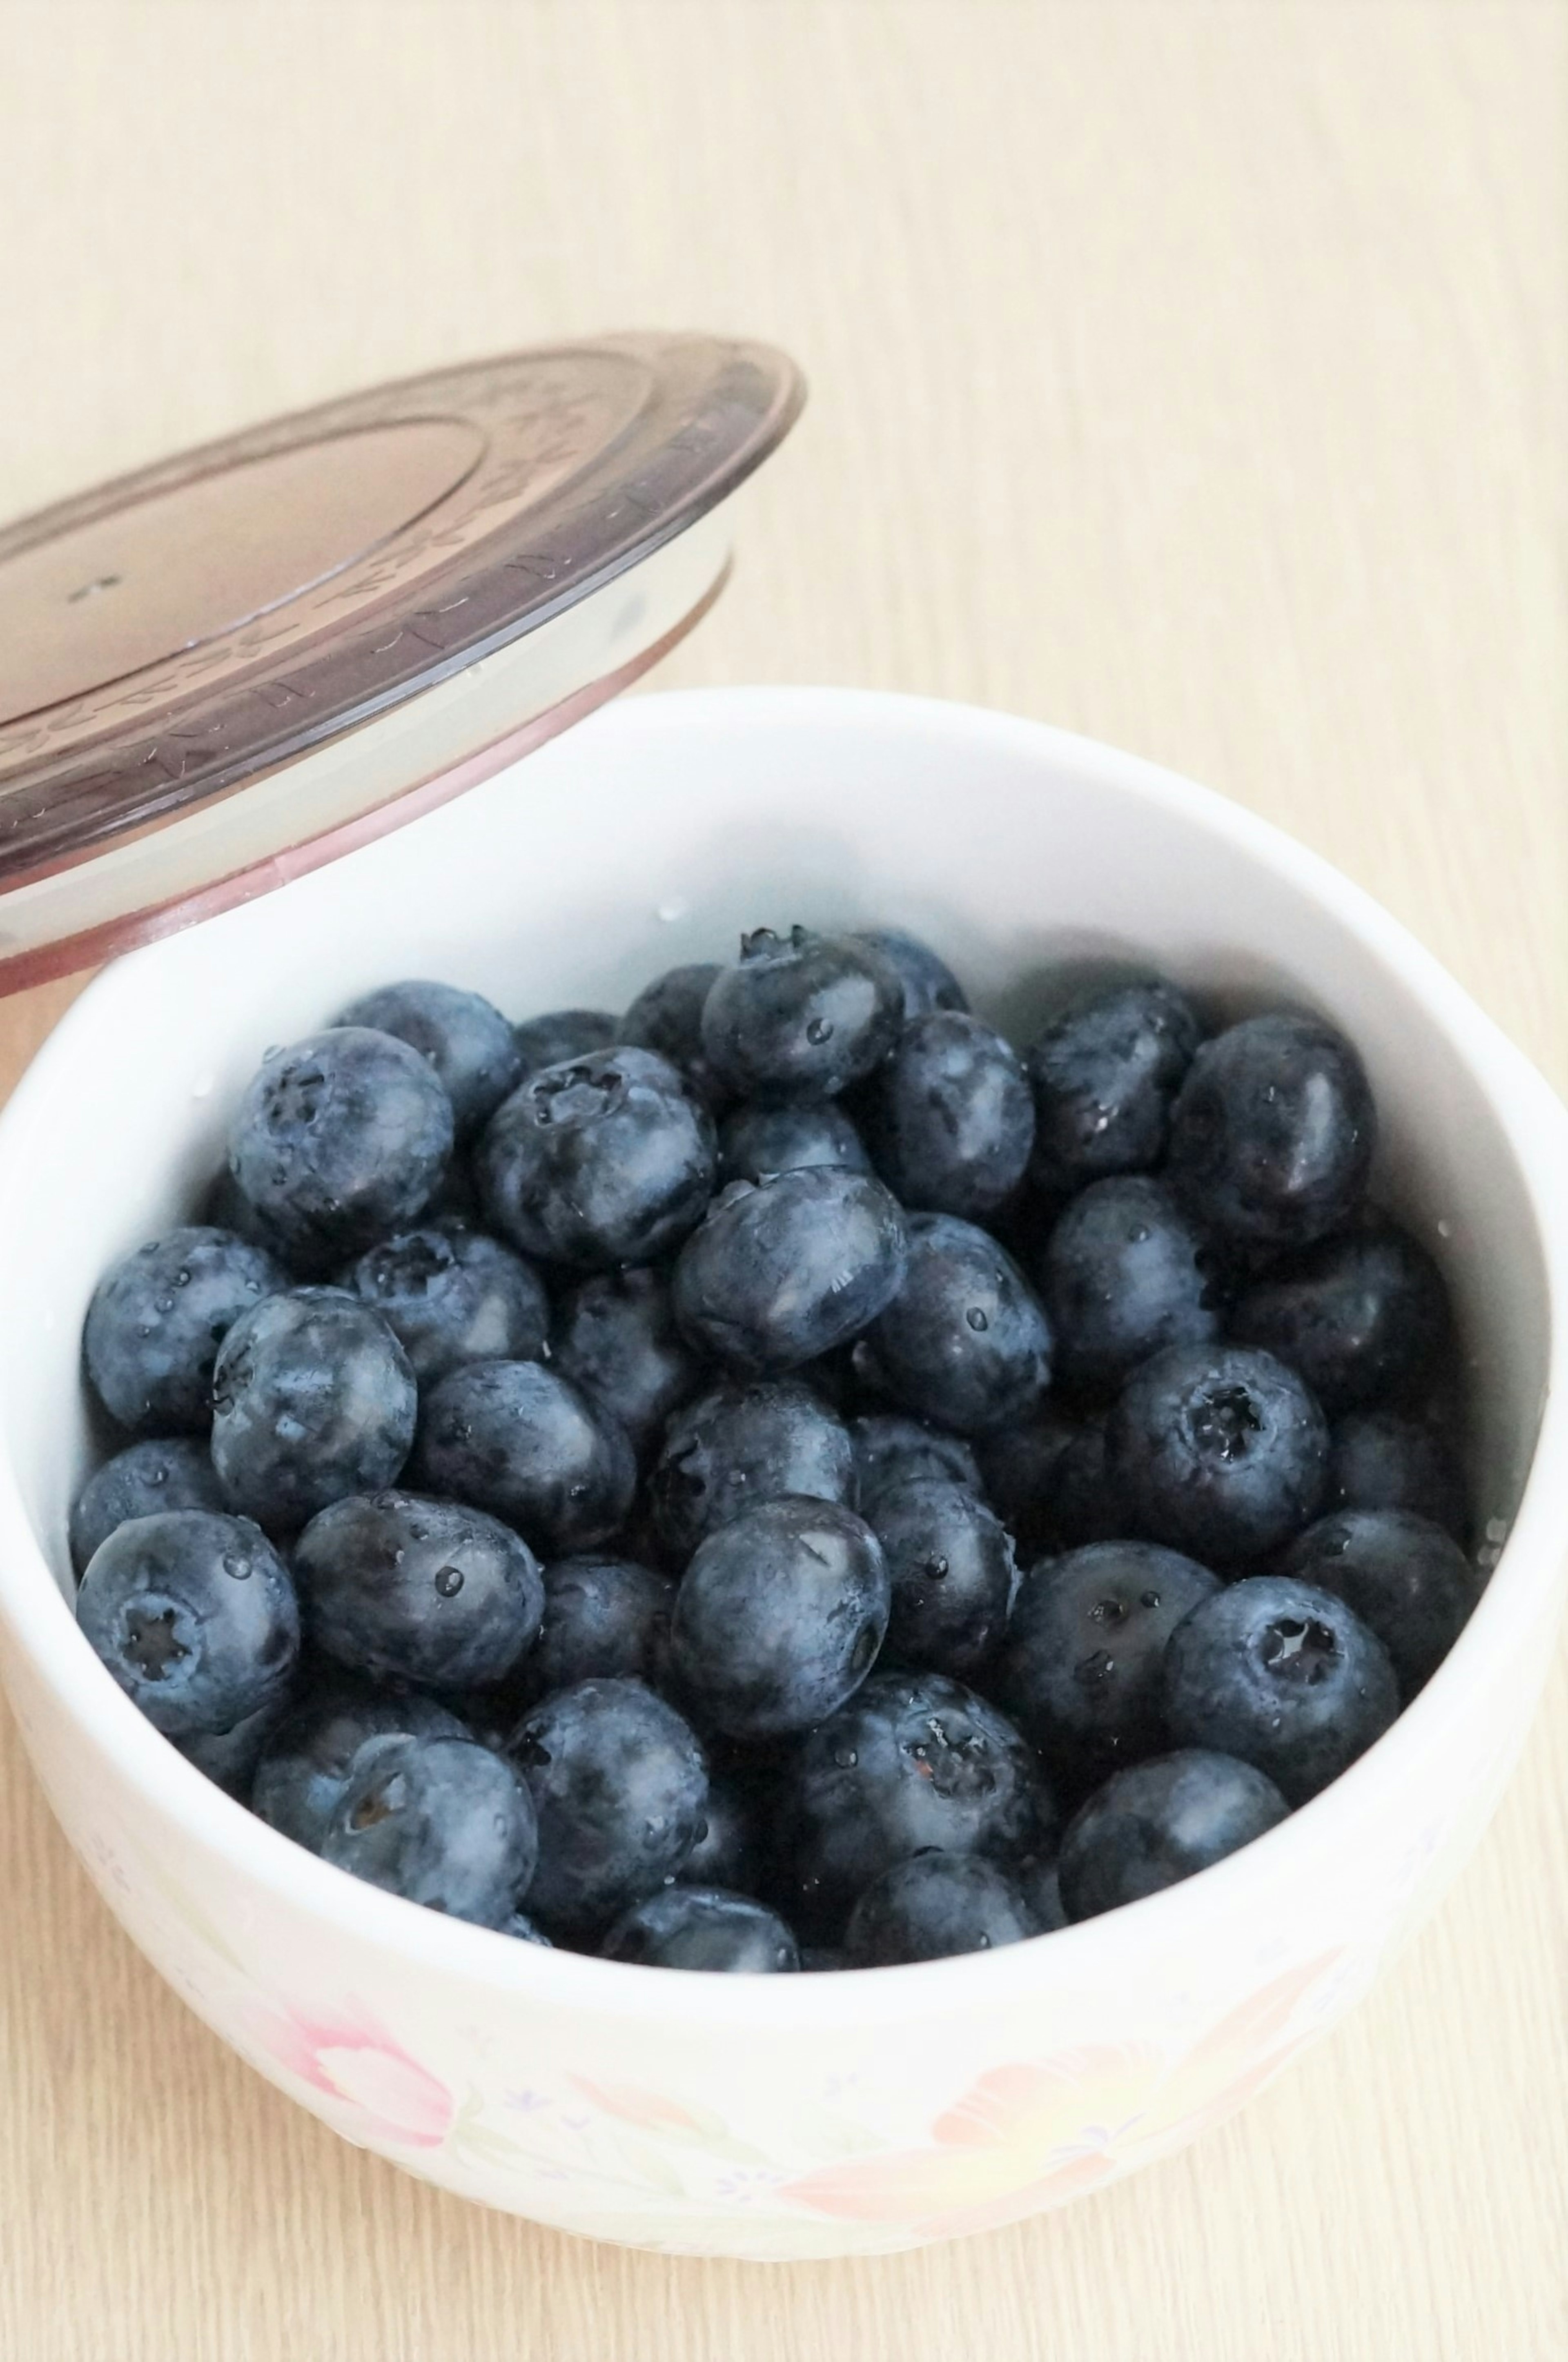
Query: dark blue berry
563, 1034
467, 1042
1388, 1459
780, 1274
817, 1959
703, 1928
305, 1762
451, 1294
928, 982
891, 1448
948, 1115
728, 1848
229, 1758
667, 1016
523, 1928
158, 1318
1272, 1131
1125, 1272
740, 1444
615, 1337
932, 1906
172, 1472
1040, 1888
966, 1341
604, 1617
951, 1567
512, 1437
757, 1141
1362, 1316
195, 1615
1086, 1504
312, 1399
1218, 1449
1017, 1465
401, 1588
1158, 1821
1407, 1580
802, 1016
443, 1822
1104, 1073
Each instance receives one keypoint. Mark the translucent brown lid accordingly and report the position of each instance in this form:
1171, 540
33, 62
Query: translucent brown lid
233, 666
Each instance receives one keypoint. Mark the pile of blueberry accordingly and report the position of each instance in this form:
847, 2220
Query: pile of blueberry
581, 1471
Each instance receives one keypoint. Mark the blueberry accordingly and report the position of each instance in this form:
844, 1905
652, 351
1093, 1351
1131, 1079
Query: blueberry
563, 1034
951, 1567
1272, 1131
305, 1762
817, 1959
512, 1437
174, 1473
667, 1016
229, 1758
467, 1042
1407, 1580
604, 1160
704, 1928
756, 1141
340, 1140
740, 1444
964, 1341
1082, 1666
224, 1206
158, 1318
1125, 1272
451, 1294
1019, 1465
780, 1274
312, 1399
523, 1928
891, 1449
406, 1589
1160, 1821
1041, 1887
728, 1843
195, 1615
914, 1759
802, 1016
932, 1906
604, 1617
443, 1822
779, 1616
1387, 1460
619, 1782
1104, 1073
948, 1115
1362, 1316
1282, 1674
615, 1337
1218, 1449
928, 982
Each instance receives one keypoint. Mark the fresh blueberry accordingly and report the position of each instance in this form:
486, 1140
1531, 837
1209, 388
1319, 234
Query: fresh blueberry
932, 1906
966, 1341
1041, 1887
1407, 1580
780, 1274
467, 1042
229, 1758
1104, 1073
1160, 1821
195, 1615
1086, 1504
305, 1762
1082, 1667
914, 1759
779, 1616
1362, 1316
563, 1034
523, 1928
224, 1206
667, 1016
440, 1821
740, 1444
312, 1399
615, 1337
948, 1115
1218, 1450
406, 1589
158, 1318
512, 1437
341, 1139
951, 1567
451, 1294
704, 1928
758, 1140
1387, 1460
1282, 1674
1125, 1272
1272, 1131
174, 1473
928, 982
620, 1784
605, 1160
728, 1842
1019, 1465
818, 1960
800, 1017
604, 1619
891, 1449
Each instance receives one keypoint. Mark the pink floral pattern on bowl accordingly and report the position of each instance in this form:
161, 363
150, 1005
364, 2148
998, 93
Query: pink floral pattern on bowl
378, 2092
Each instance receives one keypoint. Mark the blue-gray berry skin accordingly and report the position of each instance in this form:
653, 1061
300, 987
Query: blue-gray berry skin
933, 1907
1082, 1669
1391, 1460
948, 1115
742, 1442
1273, 1132
451, 1294
1405, 1578
341, 1139
159, 1473
778, 1274
514, 1439
1104, 1073
1019, 1467
1363, 1315
158, 1318
667, 1016
926, 979
966, 1342
443, 1822
891, 1449
1219, 1451
401, 1588
951, 1567
779, 1616
801, 1016
304, 1765
195, 1615
603, 1161
604, 1619
565, 1033
1125, 1272
619, 1782
1282, 1674
706, 1928
229, 1758
1158, 1821
757, 1141
1040, 1884
525, 1931
616, 1338
312, 1399
1087, 1503
729, 1847
466, 1040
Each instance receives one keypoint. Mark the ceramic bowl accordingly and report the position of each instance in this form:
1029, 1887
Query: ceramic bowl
810, 2116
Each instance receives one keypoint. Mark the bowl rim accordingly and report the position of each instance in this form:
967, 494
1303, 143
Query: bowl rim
1532, 1118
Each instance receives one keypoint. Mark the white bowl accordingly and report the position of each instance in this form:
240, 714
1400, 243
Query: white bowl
810, 2115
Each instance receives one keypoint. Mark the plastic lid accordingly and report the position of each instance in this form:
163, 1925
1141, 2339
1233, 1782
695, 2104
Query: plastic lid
235, 664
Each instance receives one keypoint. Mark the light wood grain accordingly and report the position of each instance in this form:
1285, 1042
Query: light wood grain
1190, 374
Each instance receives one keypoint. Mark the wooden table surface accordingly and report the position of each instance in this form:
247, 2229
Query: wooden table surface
1190, 374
